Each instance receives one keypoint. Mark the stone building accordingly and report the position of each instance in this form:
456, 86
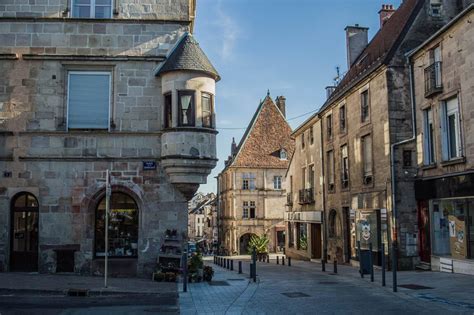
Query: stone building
443, 75
251, 188
202, 222
116, 85
366, 125
305, 199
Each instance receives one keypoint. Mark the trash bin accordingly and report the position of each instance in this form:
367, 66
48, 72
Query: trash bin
364, 261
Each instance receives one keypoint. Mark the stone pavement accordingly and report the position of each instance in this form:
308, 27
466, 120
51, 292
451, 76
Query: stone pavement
304, 289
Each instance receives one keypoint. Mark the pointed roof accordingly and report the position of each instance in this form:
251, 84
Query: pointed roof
187, 55
267, 133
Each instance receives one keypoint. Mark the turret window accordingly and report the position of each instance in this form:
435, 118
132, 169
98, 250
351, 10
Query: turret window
186, 108
207, 110
168, 111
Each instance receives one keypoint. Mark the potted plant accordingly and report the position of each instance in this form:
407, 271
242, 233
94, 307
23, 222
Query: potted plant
195, 266
208, 273
158, 276
260, 243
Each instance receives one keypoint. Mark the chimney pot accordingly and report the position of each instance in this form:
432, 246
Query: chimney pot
385, 13
357, 39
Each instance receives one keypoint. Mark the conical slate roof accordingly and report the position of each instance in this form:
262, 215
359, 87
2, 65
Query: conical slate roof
187, 55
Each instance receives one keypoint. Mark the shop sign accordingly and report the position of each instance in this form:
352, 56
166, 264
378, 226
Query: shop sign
149, 165
365, 230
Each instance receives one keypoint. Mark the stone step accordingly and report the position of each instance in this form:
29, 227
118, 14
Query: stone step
423, 266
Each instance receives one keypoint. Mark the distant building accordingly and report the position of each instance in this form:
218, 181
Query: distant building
202, 222
443, 73
252, 187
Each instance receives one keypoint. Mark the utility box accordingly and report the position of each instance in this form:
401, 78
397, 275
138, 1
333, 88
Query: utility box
364, 261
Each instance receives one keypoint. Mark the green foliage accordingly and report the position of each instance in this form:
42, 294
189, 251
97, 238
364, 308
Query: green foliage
195, 262
260, 243
303, 243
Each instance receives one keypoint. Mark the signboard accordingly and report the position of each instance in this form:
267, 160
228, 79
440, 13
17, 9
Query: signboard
457, 237
149, 165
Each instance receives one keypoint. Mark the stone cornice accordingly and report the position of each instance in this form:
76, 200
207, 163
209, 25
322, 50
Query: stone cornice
81, 20
8, 57
91, 57
84, 158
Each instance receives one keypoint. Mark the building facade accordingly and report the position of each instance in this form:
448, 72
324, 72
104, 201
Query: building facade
444, 97
202, 222
251, 188
305, 211
120, 86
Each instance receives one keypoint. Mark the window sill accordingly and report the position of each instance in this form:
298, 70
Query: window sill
454, 161
428, 166
190, 128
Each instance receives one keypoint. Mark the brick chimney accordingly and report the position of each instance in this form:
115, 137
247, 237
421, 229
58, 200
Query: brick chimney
385, 13
356, 39
281, 104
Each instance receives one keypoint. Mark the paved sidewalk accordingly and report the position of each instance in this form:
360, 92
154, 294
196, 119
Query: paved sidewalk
304, 289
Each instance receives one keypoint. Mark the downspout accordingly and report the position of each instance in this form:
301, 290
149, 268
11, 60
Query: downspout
323, 199
393, 175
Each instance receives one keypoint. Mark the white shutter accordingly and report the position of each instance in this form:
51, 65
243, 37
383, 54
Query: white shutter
88, 100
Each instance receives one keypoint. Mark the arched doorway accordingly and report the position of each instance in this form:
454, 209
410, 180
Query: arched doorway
24, 233
123, 227
244, 243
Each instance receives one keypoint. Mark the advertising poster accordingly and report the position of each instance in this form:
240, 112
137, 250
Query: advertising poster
457, 236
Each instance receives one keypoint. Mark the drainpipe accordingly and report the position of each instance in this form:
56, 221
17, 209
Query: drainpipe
325, 233
393, 176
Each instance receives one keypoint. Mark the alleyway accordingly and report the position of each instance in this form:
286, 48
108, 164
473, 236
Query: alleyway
304, 289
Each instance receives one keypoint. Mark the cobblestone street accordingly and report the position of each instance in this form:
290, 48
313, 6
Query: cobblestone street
304, 289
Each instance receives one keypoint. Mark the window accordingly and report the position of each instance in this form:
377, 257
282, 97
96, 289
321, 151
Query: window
364, 106
451, 130
330, 170
277, 182
344, 167
207, 110
342, 118
186, 108
433, 79
248, 210
168, 111
367, 159
123, 227
302, 234
100, 9
311, 135
329, 126
435, 6
407, 160
311, 176
283, 154
88, 100
428, 137
303, 178
248, 181
302, 140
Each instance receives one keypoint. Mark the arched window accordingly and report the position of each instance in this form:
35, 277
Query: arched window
334, 224
123, 227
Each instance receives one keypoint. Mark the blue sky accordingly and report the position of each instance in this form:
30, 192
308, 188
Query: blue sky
290, 47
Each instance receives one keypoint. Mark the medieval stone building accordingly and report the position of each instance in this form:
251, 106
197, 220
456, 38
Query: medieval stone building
251, 188
116, 85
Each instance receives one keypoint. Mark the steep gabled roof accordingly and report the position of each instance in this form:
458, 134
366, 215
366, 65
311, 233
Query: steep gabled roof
267, 133
187, 55
381, 48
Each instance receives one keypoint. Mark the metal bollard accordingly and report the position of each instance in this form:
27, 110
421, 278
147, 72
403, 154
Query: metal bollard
359, 253
251, 270
289, 261
228, 263
185, 271
323, 265
394, 266
232, 265
335, 265
268, 259
240, 266
383, 264
278, 260
371, 263
254, 263
282, 260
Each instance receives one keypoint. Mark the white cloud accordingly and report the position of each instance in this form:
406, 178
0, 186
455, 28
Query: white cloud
230, 32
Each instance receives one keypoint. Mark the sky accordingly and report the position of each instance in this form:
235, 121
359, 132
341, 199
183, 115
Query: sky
287, 47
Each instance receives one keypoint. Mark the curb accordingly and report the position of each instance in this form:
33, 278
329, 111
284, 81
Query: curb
5, 291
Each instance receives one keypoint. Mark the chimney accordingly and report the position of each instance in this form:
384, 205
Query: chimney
356, 40
281, 104
385, 13
329, 91
233, 148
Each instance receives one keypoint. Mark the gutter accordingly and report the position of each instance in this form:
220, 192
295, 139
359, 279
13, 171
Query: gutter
393, 147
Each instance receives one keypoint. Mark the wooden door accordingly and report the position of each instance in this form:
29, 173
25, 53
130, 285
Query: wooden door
424, 231
315, 240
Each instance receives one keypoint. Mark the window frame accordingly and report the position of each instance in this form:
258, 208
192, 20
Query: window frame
329, 122
302, 141
89, 72
193, 111
429, 157
277, 182
342, 119
211, 110
92, 10
344, 166
168, 111
366, 173
446, 130
365, 118
330, 167
311, 135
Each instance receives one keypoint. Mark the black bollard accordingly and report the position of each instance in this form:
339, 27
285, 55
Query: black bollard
278, 260
228, 263
251, 270
185, 271
323, 265
254, 261
268, 259
232, 264
282, 260
394, 266
240, 266
289, 261
371, 263
383, 264
359, 253
335, 265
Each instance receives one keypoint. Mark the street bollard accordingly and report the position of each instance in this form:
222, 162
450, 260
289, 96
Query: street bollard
282, 260
394, 266
220, 261
383, 264
185, 271
371, 263
359, 253
323, 265
251, 270
240, 266
268, 259
335, 265
254, 261
278, 260
232, 264
228, 263
289, 261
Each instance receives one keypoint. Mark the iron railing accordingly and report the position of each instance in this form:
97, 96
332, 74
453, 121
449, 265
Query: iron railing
306, 196
433, 82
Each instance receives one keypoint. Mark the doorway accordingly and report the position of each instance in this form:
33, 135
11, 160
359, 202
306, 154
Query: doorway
315, 240
424, 229
24, 233
244, 243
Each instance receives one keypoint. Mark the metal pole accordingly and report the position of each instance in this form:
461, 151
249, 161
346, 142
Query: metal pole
383, 264
394, 265
278, 260
185, 271
371, 263
254, 260
289, 261
107, 209
232, 264
282, 260
240, 266
335, 265
361, 269
323, 265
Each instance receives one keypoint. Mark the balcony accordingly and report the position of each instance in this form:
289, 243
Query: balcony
306, 196
433, 82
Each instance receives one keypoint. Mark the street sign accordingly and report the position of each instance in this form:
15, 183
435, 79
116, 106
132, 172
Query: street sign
149, 165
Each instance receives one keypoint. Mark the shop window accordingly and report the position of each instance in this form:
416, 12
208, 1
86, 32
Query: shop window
168, 111
207, 110
123, 227
302, 236
186, 108
99, 9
